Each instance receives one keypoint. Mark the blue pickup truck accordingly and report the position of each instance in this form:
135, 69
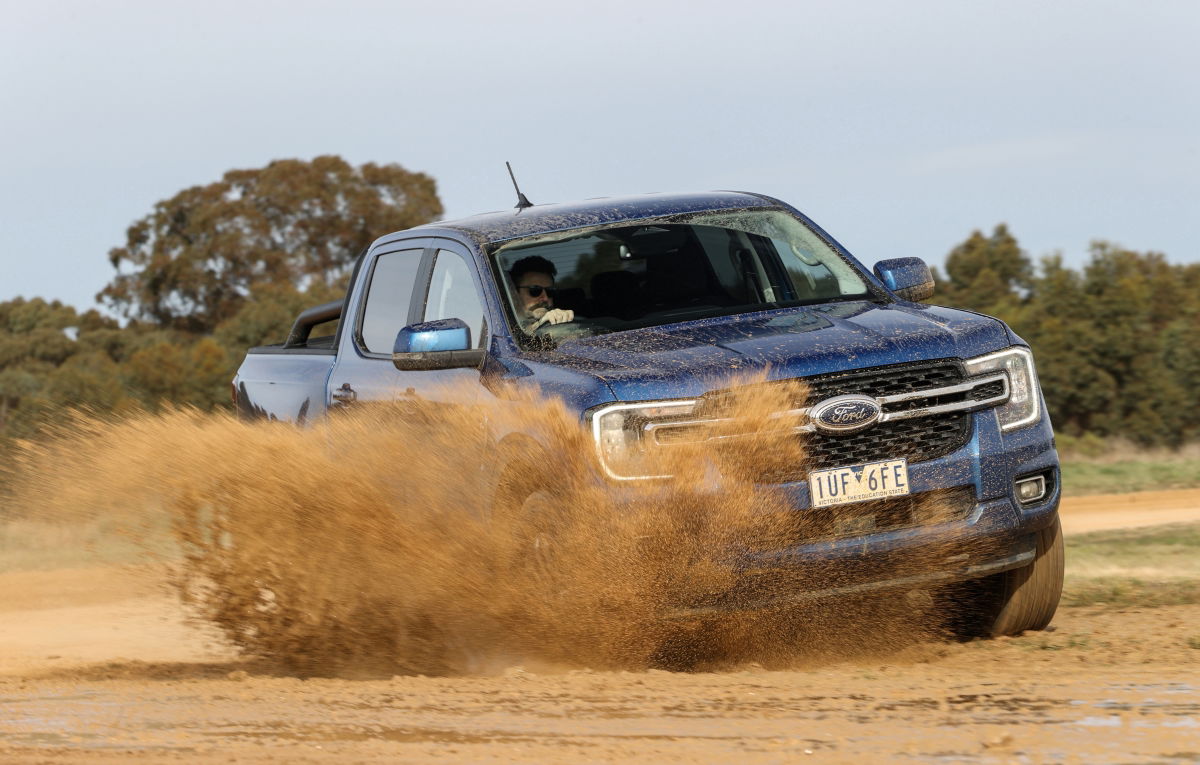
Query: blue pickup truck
637, 311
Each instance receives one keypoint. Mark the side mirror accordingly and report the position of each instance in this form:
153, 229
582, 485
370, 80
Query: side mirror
909, 278
441, 344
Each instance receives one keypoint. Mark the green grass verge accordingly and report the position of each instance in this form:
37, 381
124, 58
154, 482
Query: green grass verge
1087, 477
1156, 566
41, 545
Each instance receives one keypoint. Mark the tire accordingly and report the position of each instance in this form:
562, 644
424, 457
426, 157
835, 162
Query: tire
689, 647
1016, 601
529, 511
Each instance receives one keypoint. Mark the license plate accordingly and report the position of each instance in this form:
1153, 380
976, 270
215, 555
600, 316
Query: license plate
858, 483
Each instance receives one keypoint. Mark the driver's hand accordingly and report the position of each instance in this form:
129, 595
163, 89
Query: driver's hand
557, 316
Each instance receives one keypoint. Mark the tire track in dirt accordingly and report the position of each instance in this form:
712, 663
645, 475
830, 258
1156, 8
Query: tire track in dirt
1106, 686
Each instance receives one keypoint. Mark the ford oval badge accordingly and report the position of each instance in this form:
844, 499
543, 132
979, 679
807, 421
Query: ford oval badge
845, 414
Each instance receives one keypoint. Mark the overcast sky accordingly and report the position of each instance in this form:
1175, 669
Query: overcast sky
898, 126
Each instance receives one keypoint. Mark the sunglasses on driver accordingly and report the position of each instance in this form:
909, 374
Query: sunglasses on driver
536, 290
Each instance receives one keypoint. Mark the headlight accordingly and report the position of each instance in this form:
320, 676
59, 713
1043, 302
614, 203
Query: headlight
625, 437
1024, 404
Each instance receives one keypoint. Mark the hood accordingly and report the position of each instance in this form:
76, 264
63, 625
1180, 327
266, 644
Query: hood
689, 359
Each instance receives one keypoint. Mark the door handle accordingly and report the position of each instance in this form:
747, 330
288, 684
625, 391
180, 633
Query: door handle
344, 394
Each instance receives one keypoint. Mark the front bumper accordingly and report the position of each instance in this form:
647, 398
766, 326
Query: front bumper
995, 533
770, 590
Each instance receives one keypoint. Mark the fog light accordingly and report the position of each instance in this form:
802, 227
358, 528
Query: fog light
1031, 489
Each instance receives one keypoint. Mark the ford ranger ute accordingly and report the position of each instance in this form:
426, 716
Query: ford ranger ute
634, 311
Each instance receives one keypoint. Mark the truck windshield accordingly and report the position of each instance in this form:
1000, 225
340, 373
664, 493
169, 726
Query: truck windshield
650, 273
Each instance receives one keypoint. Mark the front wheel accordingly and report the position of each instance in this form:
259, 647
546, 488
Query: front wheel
530, 514
1012, 602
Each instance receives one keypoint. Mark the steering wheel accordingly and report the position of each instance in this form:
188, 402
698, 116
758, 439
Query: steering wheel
580, 327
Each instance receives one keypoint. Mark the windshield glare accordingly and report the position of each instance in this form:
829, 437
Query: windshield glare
652, 273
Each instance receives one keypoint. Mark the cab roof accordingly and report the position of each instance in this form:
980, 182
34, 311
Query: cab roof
543, 219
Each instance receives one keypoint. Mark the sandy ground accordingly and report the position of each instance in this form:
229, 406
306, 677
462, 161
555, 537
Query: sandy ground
99, 665
1127, 511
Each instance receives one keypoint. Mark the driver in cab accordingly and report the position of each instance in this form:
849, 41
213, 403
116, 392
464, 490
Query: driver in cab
534, 280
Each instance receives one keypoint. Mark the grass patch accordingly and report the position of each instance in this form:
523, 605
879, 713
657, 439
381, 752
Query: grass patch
1092, 465
1131, 592
1156, 566
1084, 477
27, 544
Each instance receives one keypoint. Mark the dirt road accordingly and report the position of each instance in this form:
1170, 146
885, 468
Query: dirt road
1128, 511
98, 665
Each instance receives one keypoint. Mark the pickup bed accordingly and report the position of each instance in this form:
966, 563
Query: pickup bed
634, 311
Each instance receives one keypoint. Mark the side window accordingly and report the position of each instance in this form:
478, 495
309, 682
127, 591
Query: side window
388, 299
452, 294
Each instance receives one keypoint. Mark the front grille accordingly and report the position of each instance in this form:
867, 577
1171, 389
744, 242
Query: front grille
886, 381
987, 391
916, 439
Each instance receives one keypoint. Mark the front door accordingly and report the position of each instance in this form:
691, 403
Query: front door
409, 282
382, 303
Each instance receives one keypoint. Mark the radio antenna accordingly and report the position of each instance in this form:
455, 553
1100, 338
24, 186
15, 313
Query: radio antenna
522, 200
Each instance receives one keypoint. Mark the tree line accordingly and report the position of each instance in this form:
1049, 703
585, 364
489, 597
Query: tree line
218, 268
1116, 343
206, 274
